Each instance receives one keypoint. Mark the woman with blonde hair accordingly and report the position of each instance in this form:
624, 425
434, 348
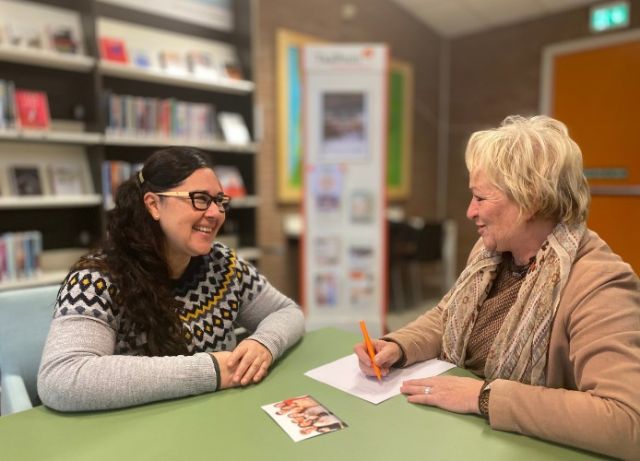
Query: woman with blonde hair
544, 312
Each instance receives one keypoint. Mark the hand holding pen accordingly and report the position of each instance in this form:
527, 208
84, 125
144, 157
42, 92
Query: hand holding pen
386, 354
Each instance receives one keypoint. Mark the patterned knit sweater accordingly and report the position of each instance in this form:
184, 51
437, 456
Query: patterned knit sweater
93, 359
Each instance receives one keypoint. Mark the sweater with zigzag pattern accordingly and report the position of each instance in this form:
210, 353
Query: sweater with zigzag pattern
93, 359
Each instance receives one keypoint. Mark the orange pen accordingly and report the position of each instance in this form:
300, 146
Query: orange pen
370, 350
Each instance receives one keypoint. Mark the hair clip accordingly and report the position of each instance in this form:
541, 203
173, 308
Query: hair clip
140, 178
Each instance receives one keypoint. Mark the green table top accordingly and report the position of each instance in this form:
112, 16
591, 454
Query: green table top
231, 425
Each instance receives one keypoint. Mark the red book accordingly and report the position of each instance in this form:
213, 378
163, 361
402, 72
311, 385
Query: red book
32, 108
113, 49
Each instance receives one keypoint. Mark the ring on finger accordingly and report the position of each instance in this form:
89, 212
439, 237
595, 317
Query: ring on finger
427, 390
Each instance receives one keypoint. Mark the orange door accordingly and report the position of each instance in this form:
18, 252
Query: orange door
596, 92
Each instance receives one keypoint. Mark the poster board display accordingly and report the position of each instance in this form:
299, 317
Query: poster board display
344, 194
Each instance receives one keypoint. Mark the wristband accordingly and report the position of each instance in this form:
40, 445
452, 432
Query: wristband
483, 399
216, 366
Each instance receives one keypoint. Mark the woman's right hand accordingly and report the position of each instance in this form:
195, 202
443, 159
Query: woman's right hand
226, 372
387, 353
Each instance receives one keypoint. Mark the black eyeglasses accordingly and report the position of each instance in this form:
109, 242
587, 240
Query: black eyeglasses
201, 200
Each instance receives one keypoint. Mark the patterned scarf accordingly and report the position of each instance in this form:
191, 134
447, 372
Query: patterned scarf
519, 351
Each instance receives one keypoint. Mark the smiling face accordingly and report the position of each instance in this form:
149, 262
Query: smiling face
188, 232
497, 217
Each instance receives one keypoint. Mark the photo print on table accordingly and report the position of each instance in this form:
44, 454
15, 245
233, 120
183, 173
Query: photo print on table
303, 417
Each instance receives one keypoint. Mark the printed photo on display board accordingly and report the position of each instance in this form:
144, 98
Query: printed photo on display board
326, 188
361, 206
327, 250
361, 277
325, 289
303, 417
344, 131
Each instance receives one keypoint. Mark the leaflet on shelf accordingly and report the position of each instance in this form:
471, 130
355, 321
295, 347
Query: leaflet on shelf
66, 179
234, 128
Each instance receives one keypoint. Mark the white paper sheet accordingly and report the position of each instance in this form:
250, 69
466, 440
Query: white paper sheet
345, 374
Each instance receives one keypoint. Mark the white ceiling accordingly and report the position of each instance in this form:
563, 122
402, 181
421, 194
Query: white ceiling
452, 18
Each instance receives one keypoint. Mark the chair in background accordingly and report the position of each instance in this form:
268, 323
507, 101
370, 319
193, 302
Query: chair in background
25, 316
414, 246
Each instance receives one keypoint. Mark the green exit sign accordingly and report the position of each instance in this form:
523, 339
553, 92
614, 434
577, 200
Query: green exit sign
609, 16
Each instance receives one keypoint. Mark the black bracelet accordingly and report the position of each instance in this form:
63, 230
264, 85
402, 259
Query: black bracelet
216, 366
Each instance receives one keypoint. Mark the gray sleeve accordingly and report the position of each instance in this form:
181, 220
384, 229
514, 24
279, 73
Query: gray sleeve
275, 320
79, 372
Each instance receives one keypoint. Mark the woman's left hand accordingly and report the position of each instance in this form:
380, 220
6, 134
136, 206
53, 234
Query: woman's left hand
251, 361
451, 393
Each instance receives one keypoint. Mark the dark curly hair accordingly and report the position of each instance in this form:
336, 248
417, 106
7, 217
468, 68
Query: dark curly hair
134, 251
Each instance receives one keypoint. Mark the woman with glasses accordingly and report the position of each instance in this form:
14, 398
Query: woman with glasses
150, 316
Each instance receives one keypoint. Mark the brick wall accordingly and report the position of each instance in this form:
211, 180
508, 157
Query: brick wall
495, 74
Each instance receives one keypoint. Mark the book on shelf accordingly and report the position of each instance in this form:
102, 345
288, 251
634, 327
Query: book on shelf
62, 38
20, 254
7, 105
173, 63
113, 49
143, 59
66, 179
32, 109
114, 173
233, 71
234, 129
231, 180
24, 34
25, 180
202, 65
170, 118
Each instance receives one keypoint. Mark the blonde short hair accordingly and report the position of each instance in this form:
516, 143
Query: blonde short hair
535, 162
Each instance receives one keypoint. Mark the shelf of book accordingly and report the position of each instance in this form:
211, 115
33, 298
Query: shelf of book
250, 201
50, 201
47, 58
49, 136
249, 253
159, 141
221, 85
45, 278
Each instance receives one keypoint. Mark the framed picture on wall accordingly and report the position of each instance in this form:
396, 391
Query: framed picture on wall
289, 130
400, 135
289, 77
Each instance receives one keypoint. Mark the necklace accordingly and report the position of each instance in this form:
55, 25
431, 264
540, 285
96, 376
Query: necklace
520, 271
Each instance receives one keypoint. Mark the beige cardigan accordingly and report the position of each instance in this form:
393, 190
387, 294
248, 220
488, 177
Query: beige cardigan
592, 397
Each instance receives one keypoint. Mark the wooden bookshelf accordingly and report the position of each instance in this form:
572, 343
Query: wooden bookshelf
77, 86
